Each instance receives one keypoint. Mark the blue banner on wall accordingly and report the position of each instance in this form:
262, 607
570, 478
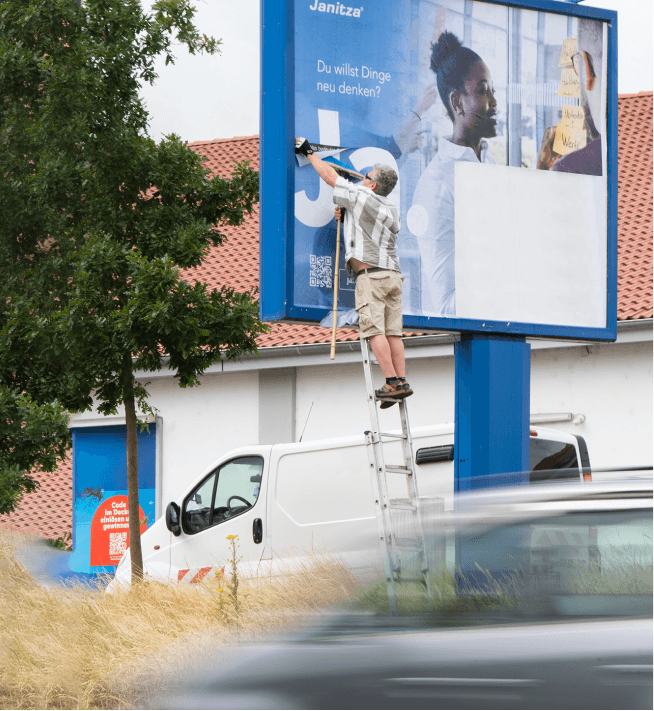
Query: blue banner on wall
100, 476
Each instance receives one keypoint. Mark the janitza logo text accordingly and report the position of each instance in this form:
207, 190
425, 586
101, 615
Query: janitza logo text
336, 9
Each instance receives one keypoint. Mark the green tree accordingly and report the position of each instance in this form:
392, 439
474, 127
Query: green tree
98, 219
33, 438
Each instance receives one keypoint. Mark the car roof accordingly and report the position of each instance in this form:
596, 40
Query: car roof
558, 490
510, 502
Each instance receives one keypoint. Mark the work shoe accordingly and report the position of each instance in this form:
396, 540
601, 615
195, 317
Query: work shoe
389, 394
389, 391
404, 387
402, 390
385, 404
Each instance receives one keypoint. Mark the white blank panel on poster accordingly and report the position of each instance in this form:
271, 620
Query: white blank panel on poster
531, 246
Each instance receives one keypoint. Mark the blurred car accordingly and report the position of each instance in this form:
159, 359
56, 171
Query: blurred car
548, 606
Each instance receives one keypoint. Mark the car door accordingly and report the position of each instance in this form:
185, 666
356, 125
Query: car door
228, 502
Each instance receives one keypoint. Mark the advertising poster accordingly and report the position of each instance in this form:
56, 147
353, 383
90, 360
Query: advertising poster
100, 509
495, 119
110, 530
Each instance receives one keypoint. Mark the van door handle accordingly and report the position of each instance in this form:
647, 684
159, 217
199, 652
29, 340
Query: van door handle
257, 530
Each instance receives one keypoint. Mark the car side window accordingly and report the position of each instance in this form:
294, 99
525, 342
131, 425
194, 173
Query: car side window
593, 554
197, 507
590, 563
239, 482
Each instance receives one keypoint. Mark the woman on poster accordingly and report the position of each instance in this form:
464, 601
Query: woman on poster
465, 86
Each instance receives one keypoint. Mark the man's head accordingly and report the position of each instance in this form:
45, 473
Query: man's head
381, 179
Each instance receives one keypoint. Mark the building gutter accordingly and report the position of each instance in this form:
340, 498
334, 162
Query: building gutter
439, 339
424, 346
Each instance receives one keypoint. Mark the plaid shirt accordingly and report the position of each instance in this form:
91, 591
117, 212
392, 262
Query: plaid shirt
371, 226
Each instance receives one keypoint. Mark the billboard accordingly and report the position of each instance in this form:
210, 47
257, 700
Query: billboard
500, 121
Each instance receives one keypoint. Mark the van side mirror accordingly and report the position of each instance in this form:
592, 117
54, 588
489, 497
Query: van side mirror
172, 519
256, 479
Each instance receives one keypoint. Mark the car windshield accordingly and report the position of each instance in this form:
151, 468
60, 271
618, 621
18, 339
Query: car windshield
584, 565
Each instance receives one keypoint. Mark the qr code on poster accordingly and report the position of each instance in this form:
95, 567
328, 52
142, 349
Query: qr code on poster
117, 543
321, 271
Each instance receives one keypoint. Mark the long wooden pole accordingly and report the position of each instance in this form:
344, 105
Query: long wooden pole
332, 353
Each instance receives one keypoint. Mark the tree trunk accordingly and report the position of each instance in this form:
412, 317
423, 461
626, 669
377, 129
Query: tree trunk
136, 555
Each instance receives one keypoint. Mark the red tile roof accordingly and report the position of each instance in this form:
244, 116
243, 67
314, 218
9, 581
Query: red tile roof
635, 206
236, 262
49, 511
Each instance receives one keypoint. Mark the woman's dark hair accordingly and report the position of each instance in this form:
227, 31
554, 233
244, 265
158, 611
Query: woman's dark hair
451, 63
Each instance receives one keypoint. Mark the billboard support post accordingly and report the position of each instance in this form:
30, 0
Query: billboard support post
491, 430
276, 156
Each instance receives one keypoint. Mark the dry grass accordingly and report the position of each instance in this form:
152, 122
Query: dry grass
78, 647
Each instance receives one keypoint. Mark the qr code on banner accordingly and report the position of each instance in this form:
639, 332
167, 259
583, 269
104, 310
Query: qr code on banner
321, 271
117, 543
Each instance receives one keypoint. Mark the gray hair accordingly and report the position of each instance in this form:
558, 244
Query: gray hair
385, 177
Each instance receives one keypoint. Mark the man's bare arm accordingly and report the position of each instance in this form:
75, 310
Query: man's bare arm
324, 170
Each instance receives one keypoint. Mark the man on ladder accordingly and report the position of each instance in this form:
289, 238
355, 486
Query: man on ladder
371, 228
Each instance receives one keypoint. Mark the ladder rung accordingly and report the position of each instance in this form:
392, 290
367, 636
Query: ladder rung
398, 470
394, 436
402, 506
422, 581
408, 543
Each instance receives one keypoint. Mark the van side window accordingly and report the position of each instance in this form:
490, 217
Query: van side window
225, 493
547, 455
238, 487
197, 508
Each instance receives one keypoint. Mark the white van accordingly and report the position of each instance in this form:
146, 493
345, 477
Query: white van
284, 498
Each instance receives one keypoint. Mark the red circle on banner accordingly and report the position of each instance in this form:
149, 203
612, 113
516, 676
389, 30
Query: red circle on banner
110, 530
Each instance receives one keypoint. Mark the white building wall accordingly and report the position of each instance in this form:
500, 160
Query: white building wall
610, 384
336, 396
200, 424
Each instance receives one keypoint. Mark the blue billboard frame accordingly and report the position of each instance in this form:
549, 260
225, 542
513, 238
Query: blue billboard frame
277, 186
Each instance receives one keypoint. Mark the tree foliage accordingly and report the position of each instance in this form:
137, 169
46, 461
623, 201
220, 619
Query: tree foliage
98, 219
33, 438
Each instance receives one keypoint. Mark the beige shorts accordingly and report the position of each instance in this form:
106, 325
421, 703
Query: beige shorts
378, 299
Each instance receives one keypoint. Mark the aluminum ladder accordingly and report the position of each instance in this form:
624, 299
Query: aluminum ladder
399, 521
